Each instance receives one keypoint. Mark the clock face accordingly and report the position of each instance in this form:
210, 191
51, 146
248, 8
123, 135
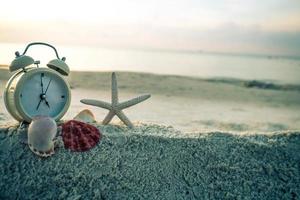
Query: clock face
43, 93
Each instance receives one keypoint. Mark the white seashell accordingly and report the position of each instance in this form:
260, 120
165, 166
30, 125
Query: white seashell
85, 116
41, 133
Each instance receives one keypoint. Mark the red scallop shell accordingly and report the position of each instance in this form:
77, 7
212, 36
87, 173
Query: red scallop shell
79, 136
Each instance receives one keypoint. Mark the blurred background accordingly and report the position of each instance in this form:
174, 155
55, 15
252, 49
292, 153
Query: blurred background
243, 39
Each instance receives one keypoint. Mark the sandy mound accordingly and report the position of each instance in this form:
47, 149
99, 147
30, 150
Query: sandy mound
154, 162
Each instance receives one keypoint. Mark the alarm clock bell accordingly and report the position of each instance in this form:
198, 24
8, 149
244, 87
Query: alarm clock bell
22, 61
60, 66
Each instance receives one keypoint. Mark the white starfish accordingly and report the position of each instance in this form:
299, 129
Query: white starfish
115, 108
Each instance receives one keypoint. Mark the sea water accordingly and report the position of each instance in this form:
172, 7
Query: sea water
196, 64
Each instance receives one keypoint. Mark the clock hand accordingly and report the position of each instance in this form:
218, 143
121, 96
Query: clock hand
47, 103
48, 86
42, 85
39, 104
43, 95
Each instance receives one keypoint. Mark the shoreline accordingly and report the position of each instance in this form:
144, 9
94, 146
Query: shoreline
248, 83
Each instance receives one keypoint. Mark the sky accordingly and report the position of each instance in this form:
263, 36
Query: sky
234, 26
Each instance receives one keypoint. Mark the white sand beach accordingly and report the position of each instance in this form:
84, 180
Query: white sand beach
188, 104
194, 139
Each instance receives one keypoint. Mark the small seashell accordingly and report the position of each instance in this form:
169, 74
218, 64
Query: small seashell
85, 116
80, 136
41, 133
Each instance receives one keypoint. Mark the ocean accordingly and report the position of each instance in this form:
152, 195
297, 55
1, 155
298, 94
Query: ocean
282, 70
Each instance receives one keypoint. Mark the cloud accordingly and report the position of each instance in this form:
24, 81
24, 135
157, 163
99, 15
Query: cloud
227, 37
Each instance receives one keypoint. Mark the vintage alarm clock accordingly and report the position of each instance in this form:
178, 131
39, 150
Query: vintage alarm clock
34, 90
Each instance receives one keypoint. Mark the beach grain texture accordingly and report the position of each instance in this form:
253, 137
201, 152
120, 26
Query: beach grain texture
156, 162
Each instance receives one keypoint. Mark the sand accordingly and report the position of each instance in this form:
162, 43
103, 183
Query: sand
222, 139
156, 162
186, 103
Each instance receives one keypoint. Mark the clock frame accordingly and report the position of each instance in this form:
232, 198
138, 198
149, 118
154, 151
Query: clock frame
13, 88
